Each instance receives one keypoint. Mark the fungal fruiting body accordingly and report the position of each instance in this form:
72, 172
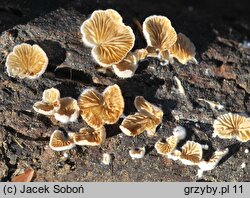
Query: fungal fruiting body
50, 102
180, 132
190, 154
230, 126
159, 35
183, 50
107, 35
166, 146
69, 110
98, 109
137, 152
212, 162
26, 61
127, 67
147, 119
106, 158
60, 142
27, 176
90, 137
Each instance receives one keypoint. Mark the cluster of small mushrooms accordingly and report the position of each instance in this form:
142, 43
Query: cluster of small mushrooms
111, 42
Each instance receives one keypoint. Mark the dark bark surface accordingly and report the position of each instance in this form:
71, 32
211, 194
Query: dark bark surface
217, 28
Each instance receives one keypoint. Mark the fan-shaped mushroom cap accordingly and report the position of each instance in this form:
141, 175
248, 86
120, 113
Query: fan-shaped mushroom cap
137, 152
147, 119
90, 137
110, 39
50, 102
26, 61
60, 142
191, 153
24, 177
230, 126
183, 50
69, 110
159, 32
166, 146
98, 109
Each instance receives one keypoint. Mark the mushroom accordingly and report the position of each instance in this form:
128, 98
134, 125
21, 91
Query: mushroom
160, 36
137, 152
98, 109
26, 61
60, 142
147, 119
69, 110
106, 158
212, 162
180, 132
50, 102
190, 154
127, 67
230, 126
27, 176
109, 38
90, 137
183, 50
166, 146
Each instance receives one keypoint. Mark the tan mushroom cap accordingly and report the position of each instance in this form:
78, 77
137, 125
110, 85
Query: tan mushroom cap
147, 119
26, 61
191, 153
137, 152
183, 50
167, 145
159, 32
51, 95
69, 110
59, 142
127, 67
110, 39
230, 126
98, 109
50, 102
90, 137
27, 176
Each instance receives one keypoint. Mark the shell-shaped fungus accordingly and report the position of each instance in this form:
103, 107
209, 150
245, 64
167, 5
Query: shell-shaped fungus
212, 162
27, 176
159, 35
147, 119
60, 142
90, 137
50, 102
98, 109
137, 152
231, 125
183, 50
26, 61
166, 146
106, 158
190, 154
127, 67
109, 38
69, 110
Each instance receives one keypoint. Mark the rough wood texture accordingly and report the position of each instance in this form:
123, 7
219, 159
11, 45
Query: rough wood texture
222, 75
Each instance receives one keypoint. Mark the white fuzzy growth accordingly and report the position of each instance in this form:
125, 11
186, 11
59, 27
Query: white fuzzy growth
125, 73
172, 157
180, 133
106, 158
200, 173
246, 151
137, 153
